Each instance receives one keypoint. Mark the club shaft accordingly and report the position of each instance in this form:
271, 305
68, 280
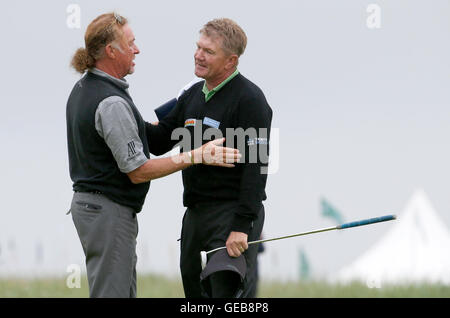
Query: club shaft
293, 235
280, 238
338, 227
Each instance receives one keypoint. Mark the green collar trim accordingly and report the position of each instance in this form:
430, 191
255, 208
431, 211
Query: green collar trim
210, 93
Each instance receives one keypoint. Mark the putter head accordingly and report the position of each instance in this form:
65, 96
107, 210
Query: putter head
203, 259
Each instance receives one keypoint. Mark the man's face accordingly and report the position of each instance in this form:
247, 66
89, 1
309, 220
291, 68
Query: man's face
210, 59
126, 55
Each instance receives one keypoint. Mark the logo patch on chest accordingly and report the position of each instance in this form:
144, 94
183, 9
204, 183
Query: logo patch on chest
190, 122
211, 122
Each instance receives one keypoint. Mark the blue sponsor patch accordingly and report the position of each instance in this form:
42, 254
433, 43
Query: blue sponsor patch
211, 122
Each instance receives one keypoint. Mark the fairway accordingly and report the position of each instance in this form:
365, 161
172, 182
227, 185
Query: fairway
154, 286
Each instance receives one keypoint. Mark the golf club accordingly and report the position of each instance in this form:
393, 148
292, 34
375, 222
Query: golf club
204, 254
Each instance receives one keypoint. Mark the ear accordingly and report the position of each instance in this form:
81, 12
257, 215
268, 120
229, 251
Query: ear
232, 62
109, 50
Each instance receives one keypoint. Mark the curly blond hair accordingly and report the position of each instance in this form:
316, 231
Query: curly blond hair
105, 29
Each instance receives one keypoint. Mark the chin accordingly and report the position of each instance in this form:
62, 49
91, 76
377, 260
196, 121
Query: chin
199, 73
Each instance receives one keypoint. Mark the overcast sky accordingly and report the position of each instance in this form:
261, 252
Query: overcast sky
363, 117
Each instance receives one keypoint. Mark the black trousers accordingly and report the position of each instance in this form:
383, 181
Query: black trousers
205, 227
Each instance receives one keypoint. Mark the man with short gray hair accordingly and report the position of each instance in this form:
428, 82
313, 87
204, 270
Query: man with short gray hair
224, 206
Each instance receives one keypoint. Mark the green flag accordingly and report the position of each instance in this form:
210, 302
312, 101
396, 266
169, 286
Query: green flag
329, 211
304, 266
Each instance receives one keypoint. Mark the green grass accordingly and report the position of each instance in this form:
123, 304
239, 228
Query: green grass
148, 286
154, 286
40, 287
317, 289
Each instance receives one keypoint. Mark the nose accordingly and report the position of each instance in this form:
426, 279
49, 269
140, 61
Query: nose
198, 55
136, 49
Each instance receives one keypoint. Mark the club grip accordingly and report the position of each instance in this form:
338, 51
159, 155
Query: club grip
366, 222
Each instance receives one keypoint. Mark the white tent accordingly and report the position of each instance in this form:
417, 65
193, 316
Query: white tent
416, 249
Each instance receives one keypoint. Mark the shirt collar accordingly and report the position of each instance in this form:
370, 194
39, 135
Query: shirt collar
210, 93
119, 81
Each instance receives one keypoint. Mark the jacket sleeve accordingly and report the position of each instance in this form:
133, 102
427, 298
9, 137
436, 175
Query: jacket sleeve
254, 117
159, 136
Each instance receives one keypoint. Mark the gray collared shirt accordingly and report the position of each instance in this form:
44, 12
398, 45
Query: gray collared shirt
115, 123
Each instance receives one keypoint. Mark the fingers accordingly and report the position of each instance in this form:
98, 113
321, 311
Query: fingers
225, 165
218, 141
236, 244
213, 154
231, 157
236, 250
227, 150
233, 252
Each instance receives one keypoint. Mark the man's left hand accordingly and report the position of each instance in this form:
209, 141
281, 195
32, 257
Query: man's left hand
236, 244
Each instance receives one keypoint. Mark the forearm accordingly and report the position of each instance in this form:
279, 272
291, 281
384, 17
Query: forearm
252, 193
210, 154
161, 167
158, 138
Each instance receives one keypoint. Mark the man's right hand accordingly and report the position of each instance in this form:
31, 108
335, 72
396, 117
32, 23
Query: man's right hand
213, 154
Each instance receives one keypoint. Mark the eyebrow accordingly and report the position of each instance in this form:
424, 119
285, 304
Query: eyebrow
205, 48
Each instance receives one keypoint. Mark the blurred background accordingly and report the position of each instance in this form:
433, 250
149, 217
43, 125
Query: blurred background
360, 96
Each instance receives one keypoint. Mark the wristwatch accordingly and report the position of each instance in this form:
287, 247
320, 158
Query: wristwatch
191, 157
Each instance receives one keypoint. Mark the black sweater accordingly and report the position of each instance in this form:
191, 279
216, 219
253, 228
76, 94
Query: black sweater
239, 104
